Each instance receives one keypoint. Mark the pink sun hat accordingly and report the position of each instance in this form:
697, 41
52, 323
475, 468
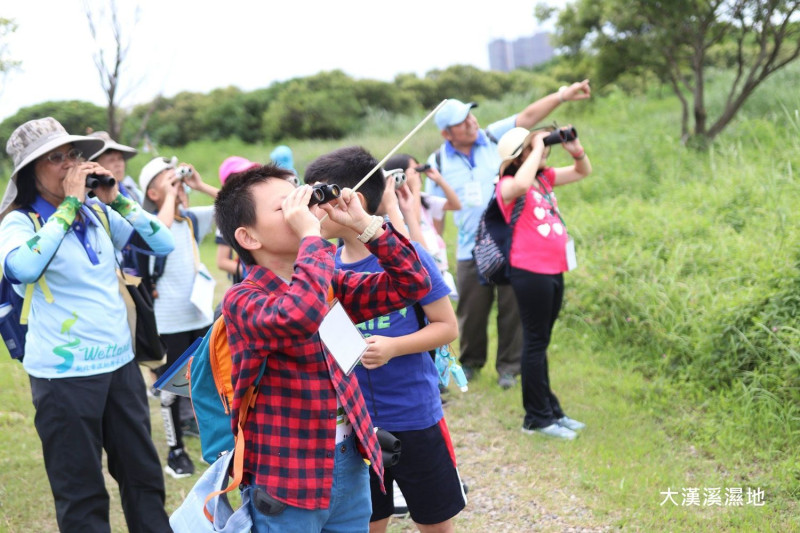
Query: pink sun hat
232, 165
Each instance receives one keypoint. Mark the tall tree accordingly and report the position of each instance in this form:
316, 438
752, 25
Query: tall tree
111, 52
7, 27
679, 40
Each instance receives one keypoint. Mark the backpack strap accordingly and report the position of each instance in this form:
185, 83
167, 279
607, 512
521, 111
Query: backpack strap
48, 296
102, 216
518, 207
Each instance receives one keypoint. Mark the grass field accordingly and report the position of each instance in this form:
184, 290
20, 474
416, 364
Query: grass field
677, 344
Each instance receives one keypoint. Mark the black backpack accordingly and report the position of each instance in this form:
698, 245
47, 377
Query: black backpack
493, 242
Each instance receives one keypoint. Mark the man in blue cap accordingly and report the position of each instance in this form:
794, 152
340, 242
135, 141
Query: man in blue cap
469, 161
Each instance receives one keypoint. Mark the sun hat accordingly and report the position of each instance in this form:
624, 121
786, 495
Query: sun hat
282, 156
111, 144
232, 165
153, 168
512, 143
32, 140
452, 113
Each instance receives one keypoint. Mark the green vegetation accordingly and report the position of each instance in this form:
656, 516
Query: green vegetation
678, 343
327, 105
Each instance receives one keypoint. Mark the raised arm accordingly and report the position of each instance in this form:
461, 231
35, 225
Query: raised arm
27, 252
453, 203
581, 168
538, 110
149, 227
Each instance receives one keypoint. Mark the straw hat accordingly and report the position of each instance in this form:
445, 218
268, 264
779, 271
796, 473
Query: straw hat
511, 145
32, 140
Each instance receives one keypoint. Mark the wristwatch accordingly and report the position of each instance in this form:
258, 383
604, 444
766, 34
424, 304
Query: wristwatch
371, 228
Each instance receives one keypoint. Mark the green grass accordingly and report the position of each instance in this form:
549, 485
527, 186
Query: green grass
677, 343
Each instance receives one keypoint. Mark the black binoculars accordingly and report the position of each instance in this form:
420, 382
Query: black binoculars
323, 193
390, 447
561, 136
94, 181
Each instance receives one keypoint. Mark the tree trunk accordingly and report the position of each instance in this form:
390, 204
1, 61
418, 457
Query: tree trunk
700, 114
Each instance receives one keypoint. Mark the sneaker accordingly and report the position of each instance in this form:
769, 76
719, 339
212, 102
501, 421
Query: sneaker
400, 505
553, 430
569, 423
189, 428
506, 381
178, 464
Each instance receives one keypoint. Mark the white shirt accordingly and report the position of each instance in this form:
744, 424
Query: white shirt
174, 310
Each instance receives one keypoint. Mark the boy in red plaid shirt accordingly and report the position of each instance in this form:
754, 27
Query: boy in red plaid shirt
309, 436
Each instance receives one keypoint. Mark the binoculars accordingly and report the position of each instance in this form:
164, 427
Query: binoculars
399, 176
561, 136
323, 193
390, 447
423, 168
183, 172
94, 181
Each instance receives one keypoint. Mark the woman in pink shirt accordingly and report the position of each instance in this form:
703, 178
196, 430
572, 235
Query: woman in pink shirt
541, 250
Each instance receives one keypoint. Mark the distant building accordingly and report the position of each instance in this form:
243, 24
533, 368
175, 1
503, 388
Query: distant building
523, 52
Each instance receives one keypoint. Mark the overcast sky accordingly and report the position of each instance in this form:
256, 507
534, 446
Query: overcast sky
197, 46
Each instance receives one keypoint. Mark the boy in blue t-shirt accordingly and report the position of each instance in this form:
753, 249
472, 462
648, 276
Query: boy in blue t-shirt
397, 375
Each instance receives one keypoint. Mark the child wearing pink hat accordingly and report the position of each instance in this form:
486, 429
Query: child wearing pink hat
232, 165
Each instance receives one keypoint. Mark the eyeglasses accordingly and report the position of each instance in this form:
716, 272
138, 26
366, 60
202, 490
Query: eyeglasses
59, 157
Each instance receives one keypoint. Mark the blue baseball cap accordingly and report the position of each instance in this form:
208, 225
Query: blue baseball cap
452, 113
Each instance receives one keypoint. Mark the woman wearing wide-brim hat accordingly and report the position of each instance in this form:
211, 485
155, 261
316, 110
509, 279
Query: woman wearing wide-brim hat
541, 251
87, 390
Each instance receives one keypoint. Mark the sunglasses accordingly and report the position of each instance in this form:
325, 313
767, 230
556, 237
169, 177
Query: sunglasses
59, 157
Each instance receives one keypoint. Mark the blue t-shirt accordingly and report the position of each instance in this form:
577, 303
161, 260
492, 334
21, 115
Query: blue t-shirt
402, 395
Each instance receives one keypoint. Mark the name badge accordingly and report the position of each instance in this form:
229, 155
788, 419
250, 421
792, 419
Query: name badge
473, 195
342, 338
572, 260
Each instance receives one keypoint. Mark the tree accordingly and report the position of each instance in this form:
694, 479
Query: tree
7, 27
109, 65
679, 41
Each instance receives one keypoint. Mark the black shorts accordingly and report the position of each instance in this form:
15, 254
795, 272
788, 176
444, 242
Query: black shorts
427, 476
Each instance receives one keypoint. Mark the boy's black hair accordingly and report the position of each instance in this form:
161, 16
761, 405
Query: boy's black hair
400, 161
235, 207
346, 167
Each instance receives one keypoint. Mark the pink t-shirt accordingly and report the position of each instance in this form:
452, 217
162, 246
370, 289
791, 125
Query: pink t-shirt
539, 241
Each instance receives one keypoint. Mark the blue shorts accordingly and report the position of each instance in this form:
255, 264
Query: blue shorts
349, 509
427, 476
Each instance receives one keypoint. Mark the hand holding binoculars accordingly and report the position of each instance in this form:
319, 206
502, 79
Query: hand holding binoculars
561, 135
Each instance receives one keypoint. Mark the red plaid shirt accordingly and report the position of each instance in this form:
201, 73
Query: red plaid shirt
290, 434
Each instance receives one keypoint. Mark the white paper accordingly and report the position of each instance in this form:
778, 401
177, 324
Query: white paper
572, 259
342, 338
203, 292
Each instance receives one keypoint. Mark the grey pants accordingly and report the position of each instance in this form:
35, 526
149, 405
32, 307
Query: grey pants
474, 304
